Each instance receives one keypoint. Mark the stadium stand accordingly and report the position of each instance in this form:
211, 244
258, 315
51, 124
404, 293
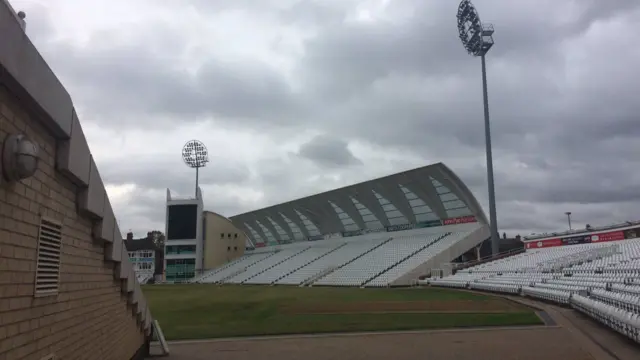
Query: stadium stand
383, 232
600, 278
372, 260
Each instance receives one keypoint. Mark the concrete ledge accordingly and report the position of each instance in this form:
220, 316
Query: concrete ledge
131, 280
106, 229
91, 198
113, 252
73, 157
22, 61
123, 268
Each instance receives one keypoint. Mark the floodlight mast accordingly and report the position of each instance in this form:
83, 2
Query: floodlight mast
477, 39
195, 155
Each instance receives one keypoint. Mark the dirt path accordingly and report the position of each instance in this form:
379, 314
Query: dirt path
503, 344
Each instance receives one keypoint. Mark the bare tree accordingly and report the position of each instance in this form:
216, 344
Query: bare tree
157, 237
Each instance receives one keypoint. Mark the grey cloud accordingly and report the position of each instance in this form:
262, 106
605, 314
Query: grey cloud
140, 76
145, 209
161, 173
328, 151
562, 122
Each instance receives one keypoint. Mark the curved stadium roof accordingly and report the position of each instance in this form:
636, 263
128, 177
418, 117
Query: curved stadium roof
429, 193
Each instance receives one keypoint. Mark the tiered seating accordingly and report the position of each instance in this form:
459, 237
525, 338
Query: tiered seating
559, 296
233, 268
373, 259
211, 272
600, 279
392, 253
302, 259
622, 300
625, 322
372, 264
264, 265
436, 243
347, 256
334, 260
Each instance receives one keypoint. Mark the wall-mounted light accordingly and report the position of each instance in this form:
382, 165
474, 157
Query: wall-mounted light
19, 157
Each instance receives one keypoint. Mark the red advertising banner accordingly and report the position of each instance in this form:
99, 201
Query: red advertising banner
608, 236
573, 240
544, 243
459, 220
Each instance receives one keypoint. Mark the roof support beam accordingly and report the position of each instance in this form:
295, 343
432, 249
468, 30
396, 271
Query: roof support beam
291, 215
326, 218
314, 217
248, 241
444, 180
266, 223
392, 192
239, 222
364, 195
345, 203
449, 179
254, 225
280, 221
424, 189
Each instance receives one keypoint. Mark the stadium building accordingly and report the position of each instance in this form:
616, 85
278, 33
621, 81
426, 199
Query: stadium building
67, 287
197, 239
384, 232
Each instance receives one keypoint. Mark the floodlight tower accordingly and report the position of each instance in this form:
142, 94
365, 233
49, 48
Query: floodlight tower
195, 155
477, 39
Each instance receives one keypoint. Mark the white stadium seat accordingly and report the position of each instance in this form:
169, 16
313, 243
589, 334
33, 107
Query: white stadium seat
376, 259
601, 280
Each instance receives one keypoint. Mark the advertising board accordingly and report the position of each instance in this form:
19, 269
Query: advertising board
460, 220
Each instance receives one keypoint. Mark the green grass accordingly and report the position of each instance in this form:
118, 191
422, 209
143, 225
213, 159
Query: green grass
208, 311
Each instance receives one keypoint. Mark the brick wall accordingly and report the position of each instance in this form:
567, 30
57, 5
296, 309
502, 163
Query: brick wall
89, 318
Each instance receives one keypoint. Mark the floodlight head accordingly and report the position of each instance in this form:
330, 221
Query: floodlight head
476, 37
195, 154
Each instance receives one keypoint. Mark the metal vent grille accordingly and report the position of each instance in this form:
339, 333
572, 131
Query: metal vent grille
48, 261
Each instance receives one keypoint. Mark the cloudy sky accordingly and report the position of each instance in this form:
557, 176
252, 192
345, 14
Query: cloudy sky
294, 97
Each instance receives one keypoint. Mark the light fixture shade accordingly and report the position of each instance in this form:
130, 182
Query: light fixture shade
19, 157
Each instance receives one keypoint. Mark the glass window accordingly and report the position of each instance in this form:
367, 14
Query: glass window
426, 217
448, 197
180, 269
456, 204
180, 249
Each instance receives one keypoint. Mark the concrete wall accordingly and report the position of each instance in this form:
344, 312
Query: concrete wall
219, 248
445, 256
98, 311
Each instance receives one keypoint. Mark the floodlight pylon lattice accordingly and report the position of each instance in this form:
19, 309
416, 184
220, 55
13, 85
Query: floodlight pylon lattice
195, 155
477, 39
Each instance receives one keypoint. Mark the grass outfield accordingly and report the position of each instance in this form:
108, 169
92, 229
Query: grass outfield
199, 311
